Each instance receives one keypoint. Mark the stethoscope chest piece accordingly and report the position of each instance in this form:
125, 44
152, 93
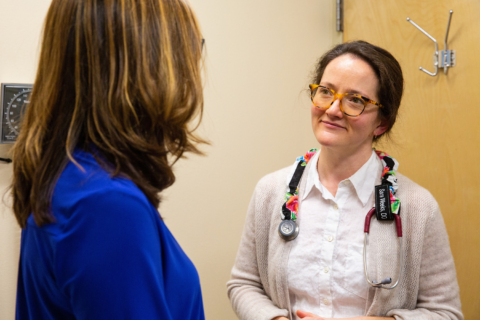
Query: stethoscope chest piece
288, 230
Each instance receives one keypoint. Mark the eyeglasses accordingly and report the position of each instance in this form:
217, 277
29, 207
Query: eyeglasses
351, 104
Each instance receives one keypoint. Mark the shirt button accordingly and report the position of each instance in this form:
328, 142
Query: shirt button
335, 207
326, 302
330, 238
326, 269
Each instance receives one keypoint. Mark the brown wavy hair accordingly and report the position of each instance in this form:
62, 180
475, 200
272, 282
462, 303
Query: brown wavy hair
122, 77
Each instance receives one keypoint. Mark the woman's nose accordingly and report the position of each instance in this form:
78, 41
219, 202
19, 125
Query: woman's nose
334, 110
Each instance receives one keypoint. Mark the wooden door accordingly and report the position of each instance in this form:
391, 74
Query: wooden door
437, 137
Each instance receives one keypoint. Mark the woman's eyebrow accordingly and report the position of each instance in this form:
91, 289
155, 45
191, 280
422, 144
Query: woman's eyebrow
328, 85
332, 86
360, 93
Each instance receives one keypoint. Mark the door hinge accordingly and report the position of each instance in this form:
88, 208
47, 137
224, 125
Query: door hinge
339, 15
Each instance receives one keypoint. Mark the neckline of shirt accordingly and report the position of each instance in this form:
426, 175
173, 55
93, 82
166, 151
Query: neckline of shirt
363, 180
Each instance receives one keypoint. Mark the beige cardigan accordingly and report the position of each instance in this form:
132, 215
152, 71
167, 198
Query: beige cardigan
428, 289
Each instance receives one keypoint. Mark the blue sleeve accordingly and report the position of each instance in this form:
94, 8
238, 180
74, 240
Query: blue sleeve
108, 258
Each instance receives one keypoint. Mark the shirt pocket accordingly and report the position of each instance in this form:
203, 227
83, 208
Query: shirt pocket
354, 276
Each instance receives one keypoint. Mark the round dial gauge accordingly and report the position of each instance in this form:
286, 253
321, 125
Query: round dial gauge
16, 109
15, 100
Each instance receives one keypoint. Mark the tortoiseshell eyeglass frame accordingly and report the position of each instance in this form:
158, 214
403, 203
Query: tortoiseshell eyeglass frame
340, 96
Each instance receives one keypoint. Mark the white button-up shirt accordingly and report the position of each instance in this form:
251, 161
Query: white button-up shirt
325, 266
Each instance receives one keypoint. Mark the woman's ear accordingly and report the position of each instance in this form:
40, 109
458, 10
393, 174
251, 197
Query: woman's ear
381, 128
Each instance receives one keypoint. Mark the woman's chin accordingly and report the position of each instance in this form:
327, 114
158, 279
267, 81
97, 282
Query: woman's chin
329, 140
329, 144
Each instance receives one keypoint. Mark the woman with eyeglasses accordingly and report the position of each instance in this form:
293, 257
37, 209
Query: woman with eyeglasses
302, 249
117, 87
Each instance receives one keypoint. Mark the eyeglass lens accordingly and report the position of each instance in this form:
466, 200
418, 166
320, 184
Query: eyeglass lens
351, 104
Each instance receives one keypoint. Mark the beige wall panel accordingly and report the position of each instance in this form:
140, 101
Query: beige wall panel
9, 248
257, 116
259, 55
437, 135
21, 23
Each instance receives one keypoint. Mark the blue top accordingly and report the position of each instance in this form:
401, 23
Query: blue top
107, 256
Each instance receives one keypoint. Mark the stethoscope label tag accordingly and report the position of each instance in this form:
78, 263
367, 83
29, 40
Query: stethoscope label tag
382, 203
288, 230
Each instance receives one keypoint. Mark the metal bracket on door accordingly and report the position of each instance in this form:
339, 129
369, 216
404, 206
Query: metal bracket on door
339, 15
445, 58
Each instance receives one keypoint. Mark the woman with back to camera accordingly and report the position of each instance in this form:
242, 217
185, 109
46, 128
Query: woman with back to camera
317, 271
118, 84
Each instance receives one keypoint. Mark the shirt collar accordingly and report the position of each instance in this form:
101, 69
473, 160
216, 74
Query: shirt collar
363, 180
312, 178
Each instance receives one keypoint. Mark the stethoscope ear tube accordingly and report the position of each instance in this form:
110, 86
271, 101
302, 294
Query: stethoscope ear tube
371, 213
398, 223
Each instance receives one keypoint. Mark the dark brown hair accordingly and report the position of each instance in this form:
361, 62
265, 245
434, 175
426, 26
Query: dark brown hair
385, 66
122, 77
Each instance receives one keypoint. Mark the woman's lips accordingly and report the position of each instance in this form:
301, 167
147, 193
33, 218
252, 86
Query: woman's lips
332, 125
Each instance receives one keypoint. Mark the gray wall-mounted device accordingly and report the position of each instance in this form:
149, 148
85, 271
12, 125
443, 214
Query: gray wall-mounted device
15, 99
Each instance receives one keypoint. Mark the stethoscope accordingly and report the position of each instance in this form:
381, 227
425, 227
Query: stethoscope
388, 280
288, 228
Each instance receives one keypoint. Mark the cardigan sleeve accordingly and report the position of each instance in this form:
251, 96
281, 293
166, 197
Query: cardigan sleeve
246, 289
438, 295
108, 259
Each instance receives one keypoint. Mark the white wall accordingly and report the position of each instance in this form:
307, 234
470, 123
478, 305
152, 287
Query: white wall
259, 57
260, 54
21, 22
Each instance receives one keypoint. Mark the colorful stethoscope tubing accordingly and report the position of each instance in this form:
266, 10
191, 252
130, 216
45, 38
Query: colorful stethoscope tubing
288, 229
398, 223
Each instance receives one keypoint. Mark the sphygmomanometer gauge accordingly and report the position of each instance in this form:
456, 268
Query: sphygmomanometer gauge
15, 100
